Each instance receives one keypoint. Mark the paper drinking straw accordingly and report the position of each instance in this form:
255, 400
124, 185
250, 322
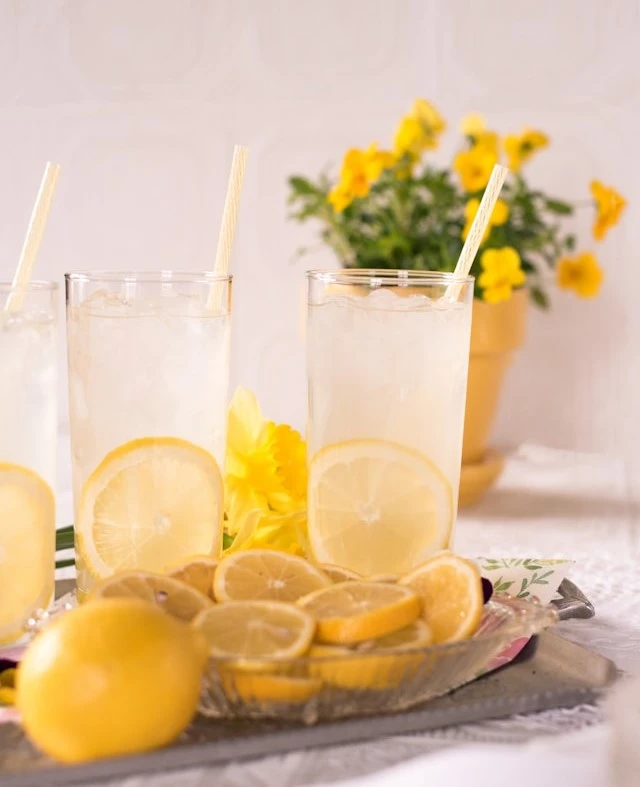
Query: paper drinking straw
478, 226
229, 221
31, 244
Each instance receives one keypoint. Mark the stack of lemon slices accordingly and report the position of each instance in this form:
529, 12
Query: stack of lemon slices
262, 612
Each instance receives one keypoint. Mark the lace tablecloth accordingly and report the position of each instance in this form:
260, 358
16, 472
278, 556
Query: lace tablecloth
548, 503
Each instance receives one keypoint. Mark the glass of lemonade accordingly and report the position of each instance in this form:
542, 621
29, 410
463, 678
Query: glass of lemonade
28, 432
148, 358
387, 362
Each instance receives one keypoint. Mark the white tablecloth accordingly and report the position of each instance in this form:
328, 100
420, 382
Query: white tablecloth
548, 503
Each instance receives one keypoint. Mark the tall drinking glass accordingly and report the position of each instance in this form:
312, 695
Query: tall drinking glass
387, 362
28, 431
148, 361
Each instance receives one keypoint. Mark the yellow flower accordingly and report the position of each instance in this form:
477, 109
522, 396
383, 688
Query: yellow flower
582, 274
376, 161
609, 207
260, 529
418, 131
360, 168
489, 141
353, 174
474, 167
432, 121
290, 453
340, 198
520, 147
498, 217
265, 463
501, 272
410, 139
473, 125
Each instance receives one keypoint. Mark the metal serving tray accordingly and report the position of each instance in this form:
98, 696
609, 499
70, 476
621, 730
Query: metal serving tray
551, 672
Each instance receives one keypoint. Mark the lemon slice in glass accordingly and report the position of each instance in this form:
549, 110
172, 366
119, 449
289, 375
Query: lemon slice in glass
27, 548
150, 503
376, 507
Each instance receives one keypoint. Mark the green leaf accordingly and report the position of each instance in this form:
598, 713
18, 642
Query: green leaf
227, 540
64, 538
302, 185
539, 297
559, 207
570, 242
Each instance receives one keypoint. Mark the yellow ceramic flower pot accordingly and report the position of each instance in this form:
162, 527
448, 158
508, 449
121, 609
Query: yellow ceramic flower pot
497, 331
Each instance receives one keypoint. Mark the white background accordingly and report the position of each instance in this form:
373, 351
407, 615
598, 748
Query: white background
140, 101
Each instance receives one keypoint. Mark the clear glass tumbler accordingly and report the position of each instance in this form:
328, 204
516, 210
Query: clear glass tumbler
28, 433
387, 362
148, 357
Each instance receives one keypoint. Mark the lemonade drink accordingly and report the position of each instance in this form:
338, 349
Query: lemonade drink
387, 360
28, 430
148, 374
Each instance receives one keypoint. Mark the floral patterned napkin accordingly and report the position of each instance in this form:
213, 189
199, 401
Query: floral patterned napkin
522, 578
525, 577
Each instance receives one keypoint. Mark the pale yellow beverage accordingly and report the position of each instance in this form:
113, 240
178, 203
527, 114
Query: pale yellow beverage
148, 358
387, 361
28, 430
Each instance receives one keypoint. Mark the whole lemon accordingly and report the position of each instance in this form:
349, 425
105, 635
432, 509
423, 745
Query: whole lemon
115, 676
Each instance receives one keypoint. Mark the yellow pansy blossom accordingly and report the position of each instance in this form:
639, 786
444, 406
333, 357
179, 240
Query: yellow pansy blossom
472, 125
582, 274
609, 207
360, 168
409, 139
490, 141
501, 272
418, 131
498, 217
432, 121
520, 147
340, 197
474, 167
376, 161
353, 174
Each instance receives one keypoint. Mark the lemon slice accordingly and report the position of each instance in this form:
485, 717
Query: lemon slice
248, 631
390, 578
266, 574
451, 590
339, 573
416, 635
375, 665
376, 507
351, 612
264, 687
175, 597
27, 548
150, 502
197, 571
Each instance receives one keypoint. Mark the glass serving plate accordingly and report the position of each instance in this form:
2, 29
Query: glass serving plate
312, 689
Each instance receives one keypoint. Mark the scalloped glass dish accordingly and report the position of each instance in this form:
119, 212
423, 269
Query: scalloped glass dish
312, 689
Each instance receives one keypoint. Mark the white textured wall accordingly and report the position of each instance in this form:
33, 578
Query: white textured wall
142, 100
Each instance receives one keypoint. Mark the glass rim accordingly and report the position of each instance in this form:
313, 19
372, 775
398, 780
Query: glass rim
385, 276
149, 277
32, 286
